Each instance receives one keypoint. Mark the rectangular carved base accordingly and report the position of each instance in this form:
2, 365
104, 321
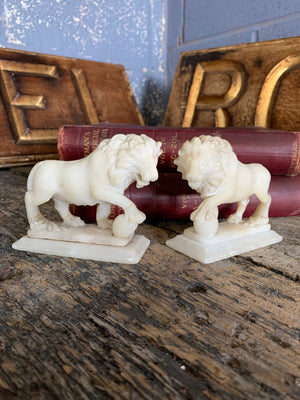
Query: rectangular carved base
223, 246
129, 254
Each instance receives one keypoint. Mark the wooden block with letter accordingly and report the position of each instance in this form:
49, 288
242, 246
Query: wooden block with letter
242, 85
40, 93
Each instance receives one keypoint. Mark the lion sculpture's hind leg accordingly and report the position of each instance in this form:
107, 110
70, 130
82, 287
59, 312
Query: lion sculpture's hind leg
36, 220
260, 215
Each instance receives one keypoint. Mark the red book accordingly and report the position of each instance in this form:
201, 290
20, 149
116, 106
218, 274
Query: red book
170, 198
278, 151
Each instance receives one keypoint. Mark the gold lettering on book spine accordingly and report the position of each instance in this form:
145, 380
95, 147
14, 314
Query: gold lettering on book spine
217, 103
184, 202
295, 163
174, 149
16, 102
270, 87
95, 140
104, 133
86, 143
162, 157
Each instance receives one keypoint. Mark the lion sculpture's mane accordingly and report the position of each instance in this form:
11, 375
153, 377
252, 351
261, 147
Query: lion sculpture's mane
204, 160
125, 152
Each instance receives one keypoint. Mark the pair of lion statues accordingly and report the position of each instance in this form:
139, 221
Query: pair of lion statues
208, 164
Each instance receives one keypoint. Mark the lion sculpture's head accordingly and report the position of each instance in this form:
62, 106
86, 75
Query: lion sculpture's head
130, 158
203, 162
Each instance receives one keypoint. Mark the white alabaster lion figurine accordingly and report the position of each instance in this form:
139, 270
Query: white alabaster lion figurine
211, 167
101, 178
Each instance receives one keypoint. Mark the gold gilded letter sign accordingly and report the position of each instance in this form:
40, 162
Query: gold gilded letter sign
40, 93
218, 103
16, 103
242, 85
268, 92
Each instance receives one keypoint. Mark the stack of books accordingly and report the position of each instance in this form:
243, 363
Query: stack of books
170, 197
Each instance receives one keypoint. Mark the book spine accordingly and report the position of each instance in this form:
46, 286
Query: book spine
278, 151
170, 198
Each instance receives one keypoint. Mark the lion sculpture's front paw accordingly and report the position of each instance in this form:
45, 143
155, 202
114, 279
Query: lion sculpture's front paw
135, 216
204, 212
234, 219
104, 223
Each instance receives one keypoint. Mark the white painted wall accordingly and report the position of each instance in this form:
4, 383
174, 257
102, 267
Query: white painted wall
127, 32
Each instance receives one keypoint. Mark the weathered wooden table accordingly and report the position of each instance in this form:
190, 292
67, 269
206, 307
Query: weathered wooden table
167, 328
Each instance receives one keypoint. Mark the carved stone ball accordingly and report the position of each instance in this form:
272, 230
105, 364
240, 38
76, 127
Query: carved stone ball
207, 228
122, 228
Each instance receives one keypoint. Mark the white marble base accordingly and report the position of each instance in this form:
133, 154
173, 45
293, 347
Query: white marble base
89, 233
90, 243
230, 240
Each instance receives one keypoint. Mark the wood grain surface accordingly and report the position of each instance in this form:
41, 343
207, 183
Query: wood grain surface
166, 328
